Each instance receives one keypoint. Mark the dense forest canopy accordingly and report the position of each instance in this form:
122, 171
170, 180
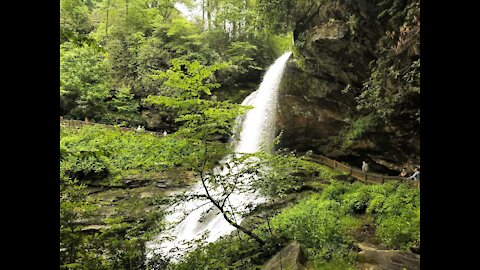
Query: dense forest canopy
111, 51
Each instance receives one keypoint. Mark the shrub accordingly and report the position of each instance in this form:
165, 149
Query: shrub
230, 252
86, 164
320, 226
356, 202
94, 152
396, 209
334, 191
399, 232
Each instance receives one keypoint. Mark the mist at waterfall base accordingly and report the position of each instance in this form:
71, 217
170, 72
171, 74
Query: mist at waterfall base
199, 219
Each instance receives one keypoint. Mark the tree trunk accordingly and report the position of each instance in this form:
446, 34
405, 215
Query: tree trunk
106, 21
208, 15
126, 10
203, 14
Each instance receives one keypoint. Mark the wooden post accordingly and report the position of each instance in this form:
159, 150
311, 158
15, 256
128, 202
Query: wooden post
334, 164
383, 178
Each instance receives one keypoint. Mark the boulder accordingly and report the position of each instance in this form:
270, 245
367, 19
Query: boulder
291, 257
373, 259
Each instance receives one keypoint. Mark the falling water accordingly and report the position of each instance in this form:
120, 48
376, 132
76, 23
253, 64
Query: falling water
257, 130
259, 123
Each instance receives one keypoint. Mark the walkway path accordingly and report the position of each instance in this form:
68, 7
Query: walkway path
79, 123
357, 174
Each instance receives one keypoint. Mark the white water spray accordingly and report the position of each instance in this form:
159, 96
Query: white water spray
203, 219
259, 123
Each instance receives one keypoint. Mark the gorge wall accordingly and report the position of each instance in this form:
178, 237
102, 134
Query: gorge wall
335, 41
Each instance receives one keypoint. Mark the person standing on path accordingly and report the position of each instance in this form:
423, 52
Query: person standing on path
364, 167
416, 175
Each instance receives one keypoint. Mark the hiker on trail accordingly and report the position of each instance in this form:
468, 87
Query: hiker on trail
364, 166
416, 175
139, 128
164, 133
404, 172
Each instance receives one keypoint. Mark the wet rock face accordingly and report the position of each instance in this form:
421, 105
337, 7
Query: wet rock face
335, 44
337, 40
311, 110
332, 54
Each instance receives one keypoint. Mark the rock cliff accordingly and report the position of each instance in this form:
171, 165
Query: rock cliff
335, 41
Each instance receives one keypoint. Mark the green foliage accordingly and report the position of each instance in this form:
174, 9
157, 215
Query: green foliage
400, 232
231, 252
357, 202
119, 245
124, 107
277, 15
75, 22
73, 207
93, 151
284, 16
85, 164
336, 264
133, 39
282, 43
202, 119
393, 89
187, 80
324, 222
84, 81
321, 226
358, 128
396, 209
282, 173
240, 55
334, 191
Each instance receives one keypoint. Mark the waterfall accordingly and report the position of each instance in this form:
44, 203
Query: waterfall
257, 129
258, 125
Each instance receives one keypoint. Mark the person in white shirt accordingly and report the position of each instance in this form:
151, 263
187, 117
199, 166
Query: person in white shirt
416, 175
364, 166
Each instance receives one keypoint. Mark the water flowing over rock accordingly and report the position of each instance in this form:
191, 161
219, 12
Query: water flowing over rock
199, 218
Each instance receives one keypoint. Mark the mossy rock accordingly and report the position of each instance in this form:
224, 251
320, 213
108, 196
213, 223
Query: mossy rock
291, 257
